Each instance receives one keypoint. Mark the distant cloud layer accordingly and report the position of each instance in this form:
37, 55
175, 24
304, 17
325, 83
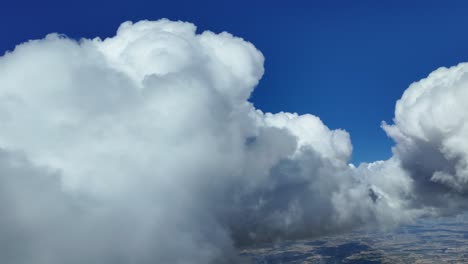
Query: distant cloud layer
143, 148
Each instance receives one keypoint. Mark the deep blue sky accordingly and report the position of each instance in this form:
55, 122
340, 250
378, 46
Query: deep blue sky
344, 61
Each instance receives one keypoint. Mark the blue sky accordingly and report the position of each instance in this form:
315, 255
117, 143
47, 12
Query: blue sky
345, 62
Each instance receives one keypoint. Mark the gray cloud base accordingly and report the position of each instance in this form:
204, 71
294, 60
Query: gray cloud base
143, 148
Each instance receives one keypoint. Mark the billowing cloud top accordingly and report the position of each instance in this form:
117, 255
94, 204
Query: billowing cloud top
144, 148
432, 136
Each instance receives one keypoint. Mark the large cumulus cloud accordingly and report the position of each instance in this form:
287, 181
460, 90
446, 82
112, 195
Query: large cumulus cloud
432, 138
144, 148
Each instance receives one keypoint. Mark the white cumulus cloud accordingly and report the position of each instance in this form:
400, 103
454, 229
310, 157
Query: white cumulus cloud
144, 148
432, 137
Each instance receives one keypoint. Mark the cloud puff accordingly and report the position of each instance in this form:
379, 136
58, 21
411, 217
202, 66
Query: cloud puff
432, 137
144, 148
